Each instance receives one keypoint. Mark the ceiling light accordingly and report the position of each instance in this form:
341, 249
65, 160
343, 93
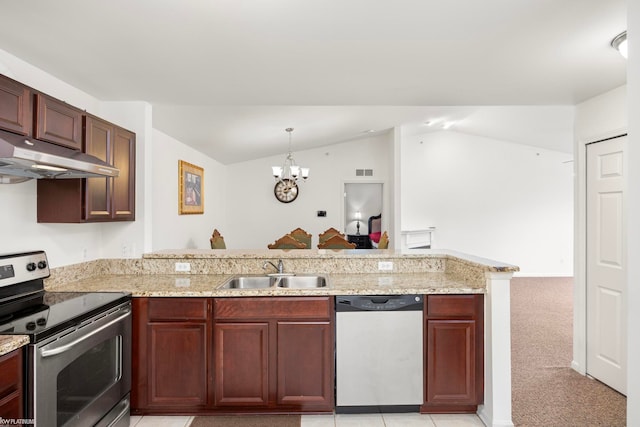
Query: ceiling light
619, 42
289, 172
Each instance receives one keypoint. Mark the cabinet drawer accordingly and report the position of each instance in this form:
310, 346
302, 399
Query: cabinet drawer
177, 309
11, 370
273, 307
454, 305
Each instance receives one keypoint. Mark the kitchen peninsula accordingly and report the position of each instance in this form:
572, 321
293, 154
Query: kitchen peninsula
157, 286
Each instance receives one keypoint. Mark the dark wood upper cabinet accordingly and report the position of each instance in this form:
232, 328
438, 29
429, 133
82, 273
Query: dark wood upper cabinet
94, 199
58, 122
25, 111
99, 143
124, 186
15, 106
454, 339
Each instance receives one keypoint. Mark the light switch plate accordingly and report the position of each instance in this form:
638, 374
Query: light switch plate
183, 266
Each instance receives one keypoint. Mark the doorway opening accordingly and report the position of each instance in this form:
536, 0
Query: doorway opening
361, 201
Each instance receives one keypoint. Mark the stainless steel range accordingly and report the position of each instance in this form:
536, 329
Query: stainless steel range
78, 362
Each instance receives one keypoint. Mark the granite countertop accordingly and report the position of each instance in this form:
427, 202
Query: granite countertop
206, 285
328, 254
8, 343
414, 272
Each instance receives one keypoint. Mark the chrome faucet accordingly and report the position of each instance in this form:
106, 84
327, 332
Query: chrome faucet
279, 267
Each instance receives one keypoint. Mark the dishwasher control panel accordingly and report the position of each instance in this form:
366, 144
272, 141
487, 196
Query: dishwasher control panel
379, 302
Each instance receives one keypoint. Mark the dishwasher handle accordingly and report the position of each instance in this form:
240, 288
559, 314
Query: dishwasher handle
379, 303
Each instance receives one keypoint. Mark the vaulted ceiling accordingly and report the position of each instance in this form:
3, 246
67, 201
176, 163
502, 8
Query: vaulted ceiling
228, 76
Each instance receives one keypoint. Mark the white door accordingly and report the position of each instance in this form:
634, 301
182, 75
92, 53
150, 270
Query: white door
606, 262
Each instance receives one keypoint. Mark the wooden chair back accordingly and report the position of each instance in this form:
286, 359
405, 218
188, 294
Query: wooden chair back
384, 241
217, 241
327, 234
286, 242
336, 242
302, 236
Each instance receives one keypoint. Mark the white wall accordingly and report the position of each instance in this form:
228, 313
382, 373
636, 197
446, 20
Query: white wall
601, 116
491, 198
633, 241
255, 218
171, 230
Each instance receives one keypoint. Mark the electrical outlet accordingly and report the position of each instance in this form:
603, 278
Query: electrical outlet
183, 266
385, 265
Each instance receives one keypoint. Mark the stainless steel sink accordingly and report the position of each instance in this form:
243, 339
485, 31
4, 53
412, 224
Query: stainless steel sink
303, 282
281, 281
249, 282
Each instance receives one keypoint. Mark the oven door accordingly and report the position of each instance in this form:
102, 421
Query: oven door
80, 375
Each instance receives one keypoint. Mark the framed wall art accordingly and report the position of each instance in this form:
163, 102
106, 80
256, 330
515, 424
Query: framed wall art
190, 188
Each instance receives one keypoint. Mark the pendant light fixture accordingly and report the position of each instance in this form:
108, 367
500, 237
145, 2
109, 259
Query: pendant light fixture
289, 172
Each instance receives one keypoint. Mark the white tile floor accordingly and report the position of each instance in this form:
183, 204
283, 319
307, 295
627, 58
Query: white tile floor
341, 420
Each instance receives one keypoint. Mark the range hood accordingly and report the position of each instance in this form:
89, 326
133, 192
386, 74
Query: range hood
23, 158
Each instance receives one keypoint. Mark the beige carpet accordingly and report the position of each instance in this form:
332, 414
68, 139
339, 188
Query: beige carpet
546, 392
247, 421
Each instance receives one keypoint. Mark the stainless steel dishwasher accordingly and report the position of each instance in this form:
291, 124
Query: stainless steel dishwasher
379, 353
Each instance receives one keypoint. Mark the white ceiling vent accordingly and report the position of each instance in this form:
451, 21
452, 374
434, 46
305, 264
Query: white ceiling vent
364, 172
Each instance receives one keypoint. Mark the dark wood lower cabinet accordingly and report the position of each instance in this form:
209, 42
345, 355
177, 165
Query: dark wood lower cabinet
242, 364
233, 355
305, 364
274, 354
454, 362
177, 364
171, 352
11, 385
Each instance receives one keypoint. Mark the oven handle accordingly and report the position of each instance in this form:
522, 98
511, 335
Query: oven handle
57, 350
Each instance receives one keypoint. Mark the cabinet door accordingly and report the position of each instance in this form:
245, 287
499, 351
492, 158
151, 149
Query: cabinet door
11, 392
15, 106
451, 362
177, 368
124, 186
305, 365
98, 143
58, 122
241, 364
171, 349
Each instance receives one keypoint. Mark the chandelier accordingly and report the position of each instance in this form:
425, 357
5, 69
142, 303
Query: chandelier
289, 172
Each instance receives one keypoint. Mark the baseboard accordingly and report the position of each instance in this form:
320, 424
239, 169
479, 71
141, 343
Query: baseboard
489, 422
576, 367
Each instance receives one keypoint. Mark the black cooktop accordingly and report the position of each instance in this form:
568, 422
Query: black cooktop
47, 313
